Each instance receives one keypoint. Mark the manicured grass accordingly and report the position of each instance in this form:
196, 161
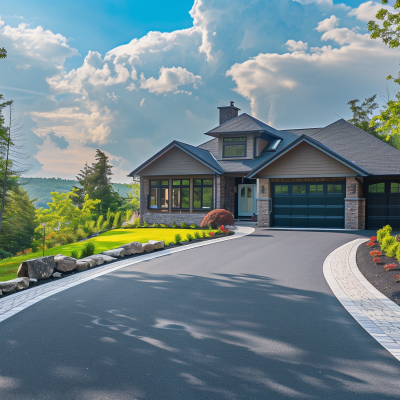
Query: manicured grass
106, 241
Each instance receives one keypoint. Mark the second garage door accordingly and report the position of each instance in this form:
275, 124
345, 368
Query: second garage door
308, 205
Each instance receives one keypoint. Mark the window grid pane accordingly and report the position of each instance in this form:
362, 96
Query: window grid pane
164, 198
185, 197
299, 189
207, 197
235, 151
154, 198
154, 183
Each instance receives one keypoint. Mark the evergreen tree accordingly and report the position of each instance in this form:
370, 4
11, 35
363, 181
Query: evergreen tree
83, 180
362, 113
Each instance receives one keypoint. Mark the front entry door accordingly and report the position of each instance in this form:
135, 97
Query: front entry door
247, 200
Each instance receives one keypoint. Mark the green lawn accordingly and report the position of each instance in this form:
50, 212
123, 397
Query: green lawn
106, 241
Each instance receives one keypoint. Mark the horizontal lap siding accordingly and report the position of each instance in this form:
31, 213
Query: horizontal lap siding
305, 160
176, 162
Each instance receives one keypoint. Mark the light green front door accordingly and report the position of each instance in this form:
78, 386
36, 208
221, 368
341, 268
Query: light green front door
246, 200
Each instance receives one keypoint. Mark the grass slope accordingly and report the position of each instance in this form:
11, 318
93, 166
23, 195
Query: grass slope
40, 188
106, 241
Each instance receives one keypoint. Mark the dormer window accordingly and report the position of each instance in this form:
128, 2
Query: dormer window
234, 147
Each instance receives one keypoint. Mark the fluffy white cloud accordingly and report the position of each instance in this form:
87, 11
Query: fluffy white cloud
327, 24
169, 80
292, 45
366, 11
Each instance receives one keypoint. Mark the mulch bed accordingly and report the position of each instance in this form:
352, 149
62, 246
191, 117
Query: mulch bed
376, 274
66, 274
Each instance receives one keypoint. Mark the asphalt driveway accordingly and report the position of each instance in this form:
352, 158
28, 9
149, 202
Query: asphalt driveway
250, 318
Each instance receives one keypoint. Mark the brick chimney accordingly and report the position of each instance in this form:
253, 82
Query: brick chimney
228, 112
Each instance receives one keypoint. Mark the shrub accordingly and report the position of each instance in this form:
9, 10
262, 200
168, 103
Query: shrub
386, 230
155, 225
178, 238
110, 218
74, 254
106, 226
370, 244
70, 238
99, 224
211, 233
174, 225
376, 260
389, 267
88, 250
375, 253
184, 225
204, 234
219, 231
129, 215
80, 234
136, 223
146, 225
194, 226
129, 226
387, 241
373, 238
4, 254
118, 219
216, 218
392, 250
197, 235
189, 237
162, 226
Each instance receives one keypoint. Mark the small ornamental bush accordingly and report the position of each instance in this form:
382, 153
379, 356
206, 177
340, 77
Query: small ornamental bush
154, 225
386, 230
375, 253
219, 231
392, 250
194, 226
389, 267
197, 235
88, 250
130, 226
74, 254
184, 225
373, 238
80, 234
136, 223
178, 238
162, 226
146, 225
174, 225
387, 241
204, 234
377, 260
189, 237
370, 244
216, 218
211, 233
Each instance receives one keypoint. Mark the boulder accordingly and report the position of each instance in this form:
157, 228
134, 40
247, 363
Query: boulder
1, 293
32, 282
158, 244
82, 265
92, 262
65, 263
108, 258
148, 247
98, 259
120, 252
14, 284
57, 275
127, 248
136, 247
38, 268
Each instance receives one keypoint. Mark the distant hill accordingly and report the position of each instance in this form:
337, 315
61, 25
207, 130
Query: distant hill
40, 188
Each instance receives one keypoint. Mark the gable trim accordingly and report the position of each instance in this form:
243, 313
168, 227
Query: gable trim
315, 144
165, 150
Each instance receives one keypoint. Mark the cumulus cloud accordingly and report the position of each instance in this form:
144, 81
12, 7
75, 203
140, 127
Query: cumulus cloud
327, 24
292, 45
366, 11
58, 141
169, 80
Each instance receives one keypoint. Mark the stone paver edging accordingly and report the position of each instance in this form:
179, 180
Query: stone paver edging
377, 314
17, 302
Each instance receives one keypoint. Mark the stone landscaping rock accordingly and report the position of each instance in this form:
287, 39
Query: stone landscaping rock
65, 263
1, 293
148, 247
38, 268
108, 258
57, 275
83, 265
14, 284
127, 248
32, 282
97, 258
92, 262
136, 247
119, 252
158, 244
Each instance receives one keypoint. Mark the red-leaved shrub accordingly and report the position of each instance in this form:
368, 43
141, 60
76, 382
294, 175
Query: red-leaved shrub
375, 253
370, 244
216, 218
373, 238
377, 260
388, 267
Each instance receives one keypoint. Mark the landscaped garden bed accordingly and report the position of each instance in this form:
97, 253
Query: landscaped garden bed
381, 270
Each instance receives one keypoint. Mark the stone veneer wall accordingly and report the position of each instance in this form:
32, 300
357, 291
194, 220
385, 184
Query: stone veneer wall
263, 203
227, 193
354, 204
144, 192
169, 219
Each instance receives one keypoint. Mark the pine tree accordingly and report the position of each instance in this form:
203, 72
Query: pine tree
83, 180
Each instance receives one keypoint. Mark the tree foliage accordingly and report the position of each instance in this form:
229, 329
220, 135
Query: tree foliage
362, 113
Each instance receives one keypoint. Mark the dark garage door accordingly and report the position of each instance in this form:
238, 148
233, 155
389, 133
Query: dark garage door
383, 205
308, 205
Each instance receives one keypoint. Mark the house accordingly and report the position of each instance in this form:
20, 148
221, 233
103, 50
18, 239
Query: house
336, 176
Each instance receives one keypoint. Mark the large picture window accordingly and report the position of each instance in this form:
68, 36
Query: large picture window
158, 193
180, 193
234, 147
202, 193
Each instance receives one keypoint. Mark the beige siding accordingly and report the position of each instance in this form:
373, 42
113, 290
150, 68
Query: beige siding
249, 143
305, 161
175, 162
262, 143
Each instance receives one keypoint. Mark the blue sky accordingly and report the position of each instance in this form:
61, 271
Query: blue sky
129, 77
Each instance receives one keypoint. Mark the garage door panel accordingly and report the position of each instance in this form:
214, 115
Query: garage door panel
395, 223
334, 201
298, 222
317, 201
334, 212
393, 200
317, 211
299, 201
318, 222
378, 200
393, 211
282, 201
299, 211
377, 211
334, 223
282, 221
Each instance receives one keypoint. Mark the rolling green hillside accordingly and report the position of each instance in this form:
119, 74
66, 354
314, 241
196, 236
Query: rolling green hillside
40, 188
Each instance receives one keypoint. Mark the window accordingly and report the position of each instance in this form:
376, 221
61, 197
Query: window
394, 187
234, 147
180, 193
158, 194
299, 189
377, 188
281, 189
202, 193
316, 189
334, 189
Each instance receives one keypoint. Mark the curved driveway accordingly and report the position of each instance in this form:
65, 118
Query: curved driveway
250, 318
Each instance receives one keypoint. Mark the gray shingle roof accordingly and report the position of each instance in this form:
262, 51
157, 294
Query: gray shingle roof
306, 131
243, 123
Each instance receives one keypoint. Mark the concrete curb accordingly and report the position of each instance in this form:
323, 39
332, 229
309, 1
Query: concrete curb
377, 314
17, 302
